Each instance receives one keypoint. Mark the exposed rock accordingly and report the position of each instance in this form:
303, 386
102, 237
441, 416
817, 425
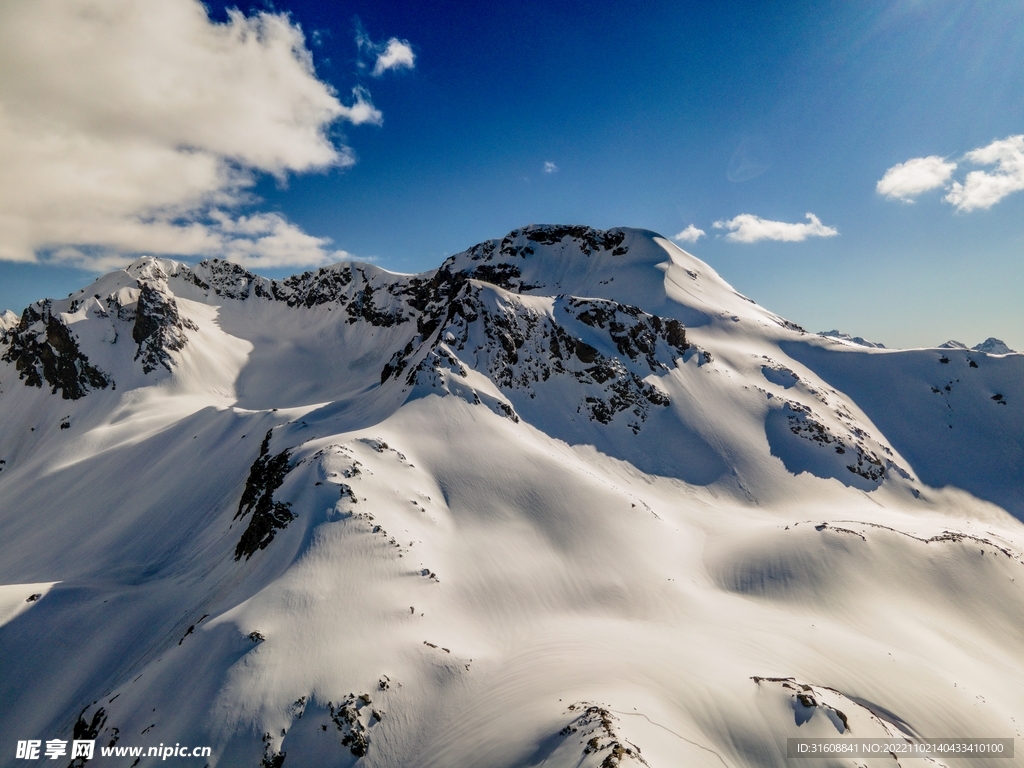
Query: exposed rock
91, 728
159, 328
594, 726
43, 348
588, 239
271, 757
864, 462
353, 718
518, 347
268, 516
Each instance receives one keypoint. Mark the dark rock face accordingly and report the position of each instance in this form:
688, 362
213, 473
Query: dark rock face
93, 728
43, 348
634, 332
588, 239
344, 285
268, 516
495, 261
519, 348
90, 729
353, 718
159, 328
863, 461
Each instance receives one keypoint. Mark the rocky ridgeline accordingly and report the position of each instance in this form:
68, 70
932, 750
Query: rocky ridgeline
456, 323
385, 299
454, 316
44, 347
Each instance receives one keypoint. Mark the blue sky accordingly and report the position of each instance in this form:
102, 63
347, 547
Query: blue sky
660, 116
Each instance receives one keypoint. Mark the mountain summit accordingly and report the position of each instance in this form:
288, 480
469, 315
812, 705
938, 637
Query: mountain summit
567, 500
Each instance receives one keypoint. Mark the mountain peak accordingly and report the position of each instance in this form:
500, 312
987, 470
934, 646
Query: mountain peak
7, 320
993, 346
858, 340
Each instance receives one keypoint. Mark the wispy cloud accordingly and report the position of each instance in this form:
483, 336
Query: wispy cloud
983, 189
689, 235
748, 161
138, 128
748, 228
905, 181
362, 109
550, 167
979, 189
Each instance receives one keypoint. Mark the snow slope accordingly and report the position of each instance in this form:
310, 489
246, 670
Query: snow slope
567, 500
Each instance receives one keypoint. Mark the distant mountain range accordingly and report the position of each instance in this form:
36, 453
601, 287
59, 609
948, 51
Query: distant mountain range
990, 346
567, 500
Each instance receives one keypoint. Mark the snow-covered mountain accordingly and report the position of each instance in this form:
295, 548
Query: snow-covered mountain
990, 346
568, 500
858, 340
993, 346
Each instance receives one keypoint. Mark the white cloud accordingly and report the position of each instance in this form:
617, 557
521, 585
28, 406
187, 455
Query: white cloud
267, 240
689, 235
258, 241
979, 189
748, 228
134, 127
362, 111
983, 189
550, 167
395, 54
905, 181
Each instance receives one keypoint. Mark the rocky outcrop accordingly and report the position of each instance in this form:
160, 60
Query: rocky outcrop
43, 348
860, 459
159, 328
353, 717
520, 348
595, 727
268, 516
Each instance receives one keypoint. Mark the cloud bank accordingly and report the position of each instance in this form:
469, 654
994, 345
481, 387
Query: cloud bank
979, 189
748, 228
689, 235
138, 127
